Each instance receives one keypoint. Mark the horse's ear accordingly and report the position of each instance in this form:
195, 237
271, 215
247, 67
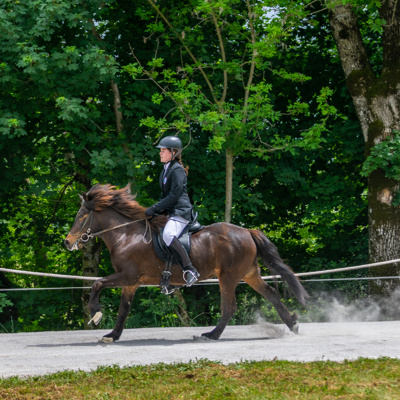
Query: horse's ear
83, 196
128, 188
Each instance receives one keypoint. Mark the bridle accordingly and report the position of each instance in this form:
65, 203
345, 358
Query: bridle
84, 237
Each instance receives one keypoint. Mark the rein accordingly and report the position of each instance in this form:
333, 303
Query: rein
86, 236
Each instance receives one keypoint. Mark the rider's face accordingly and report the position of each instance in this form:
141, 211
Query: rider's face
165, 155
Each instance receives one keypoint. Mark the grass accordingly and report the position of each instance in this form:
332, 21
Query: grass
360, 379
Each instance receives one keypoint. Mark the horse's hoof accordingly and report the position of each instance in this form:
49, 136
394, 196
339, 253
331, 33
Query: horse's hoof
107, 339
96, 318
208, 336
295, 328
201, 338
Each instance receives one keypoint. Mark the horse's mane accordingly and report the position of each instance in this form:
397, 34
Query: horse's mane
121, 200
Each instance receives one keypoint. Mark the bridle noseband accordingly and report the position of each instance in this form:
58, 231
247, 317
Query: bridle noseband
85, 237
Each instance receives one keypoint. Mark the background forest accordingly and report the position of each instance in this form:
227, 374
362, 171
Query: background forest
259, 95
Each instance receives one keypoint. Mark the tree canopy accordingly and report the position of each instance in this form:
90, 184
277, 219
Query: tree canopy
256, 91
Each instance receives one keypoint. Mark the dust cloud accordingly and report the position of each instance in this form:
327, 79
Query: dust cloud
272, 331
329, 308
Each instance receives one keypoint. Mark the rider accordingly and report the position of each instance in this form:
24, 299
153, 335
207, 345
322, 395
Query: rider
175, 202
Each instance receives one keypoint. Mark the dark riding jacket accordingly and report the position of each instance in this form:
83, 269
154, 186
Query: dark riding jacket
174, 200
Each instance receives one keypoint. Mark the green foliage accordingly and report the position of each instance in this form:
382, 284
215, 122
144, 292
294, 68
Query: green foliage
386, 156
4, 302
12, 127
296, 166
238, 116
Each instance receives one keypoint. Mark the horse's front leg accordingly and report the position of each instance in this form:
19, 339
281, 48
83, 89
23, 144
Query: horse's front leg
93, 304
114, 280
128, 293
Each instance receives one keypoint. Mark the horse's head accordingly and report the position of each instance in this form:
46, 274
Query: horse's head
98, 199
81, 229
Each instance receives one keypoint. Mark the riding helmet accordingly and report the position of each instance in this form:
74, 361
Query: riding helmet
170, 142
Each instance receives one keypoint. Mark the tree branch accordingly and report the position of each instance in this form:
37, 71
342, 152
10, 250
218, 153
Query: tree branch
223, 56
158, 85
391, 33
252, 63
117, 106
57, 204
187, 49
348, 39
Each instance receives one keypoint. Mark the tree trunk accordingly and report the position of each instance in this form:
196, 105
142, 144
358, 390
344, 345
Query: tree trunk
384, 231
117, 107
90, 266
228, 185
377, 103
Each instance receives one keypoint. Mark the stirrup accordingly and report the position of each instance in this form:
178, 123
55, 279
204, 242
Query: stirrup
191, 278
167, 290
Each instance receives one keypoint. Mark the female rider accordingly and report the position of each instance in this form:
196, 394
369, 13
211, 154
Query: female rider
175, 202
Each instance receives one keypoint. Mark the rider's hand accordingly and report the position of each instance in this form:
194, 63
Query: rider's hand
151, 211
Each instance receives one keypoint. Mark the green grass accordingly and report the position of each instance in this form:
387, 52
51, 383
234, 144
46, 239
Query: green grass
360, 379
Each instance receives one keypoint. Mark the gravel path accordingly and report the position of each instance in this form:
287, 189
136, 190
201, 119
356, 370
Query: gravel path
40, 353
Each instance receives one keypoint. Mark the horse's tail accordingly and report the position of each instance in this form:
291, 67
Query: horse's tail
268, 252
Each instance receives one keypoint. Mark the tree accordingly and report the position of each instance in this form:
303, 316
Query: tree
221, 87
374, 84
63, 124
55, 80
71, 115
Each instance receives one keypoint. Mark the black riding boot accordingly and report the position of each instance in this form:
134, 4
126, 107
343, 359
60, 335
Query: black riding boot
190, 274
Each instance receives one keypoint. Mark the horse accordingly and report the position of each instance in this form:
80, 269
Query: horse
221, 250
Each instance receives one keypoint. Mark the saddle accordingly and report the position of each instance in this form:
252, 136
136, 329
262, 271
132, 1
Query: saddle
168, 256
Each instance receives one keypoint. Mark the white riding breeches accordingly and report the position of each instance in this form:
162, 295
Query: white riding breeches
173, 228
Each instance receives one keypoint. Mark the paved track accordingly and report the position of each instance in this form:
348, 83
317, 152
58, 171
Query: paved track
26, 354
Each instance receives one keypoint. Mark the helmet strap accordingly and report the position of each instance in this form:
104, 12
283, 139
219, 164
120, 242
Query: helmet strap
176, 153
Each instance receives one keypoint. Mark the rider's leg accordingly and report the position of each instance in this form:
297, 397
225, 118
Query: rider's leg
172, 230
190, 273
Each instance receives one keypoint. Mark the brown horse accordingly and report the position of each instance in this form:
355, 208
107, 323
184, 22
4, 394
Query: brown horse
220, 250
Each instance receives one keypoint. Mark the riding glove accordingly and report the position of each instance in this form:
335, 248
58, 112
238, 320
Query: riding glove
151, 211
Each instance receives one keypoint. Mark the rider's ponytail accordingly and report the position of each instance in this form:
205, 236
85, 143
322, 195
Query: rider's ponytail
178, 158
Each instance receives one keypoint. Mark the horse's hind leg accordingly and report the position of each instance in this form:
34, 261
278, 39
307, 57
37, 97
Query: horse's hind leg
128, 293
256, 282
228, 306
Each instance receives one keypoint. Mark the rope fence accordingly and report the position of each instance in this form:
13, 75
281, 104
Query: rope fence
201, 283
207, 281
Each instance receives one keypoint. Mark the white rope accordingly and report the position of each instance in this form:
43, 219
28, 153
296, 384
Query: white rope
84, 278
323, 272
364, 278
46, 288
199, 284
94, 278
349, 268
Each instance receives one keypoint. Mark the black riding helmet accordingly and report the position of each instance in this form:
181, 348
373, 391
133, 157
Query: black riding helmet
172, 143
